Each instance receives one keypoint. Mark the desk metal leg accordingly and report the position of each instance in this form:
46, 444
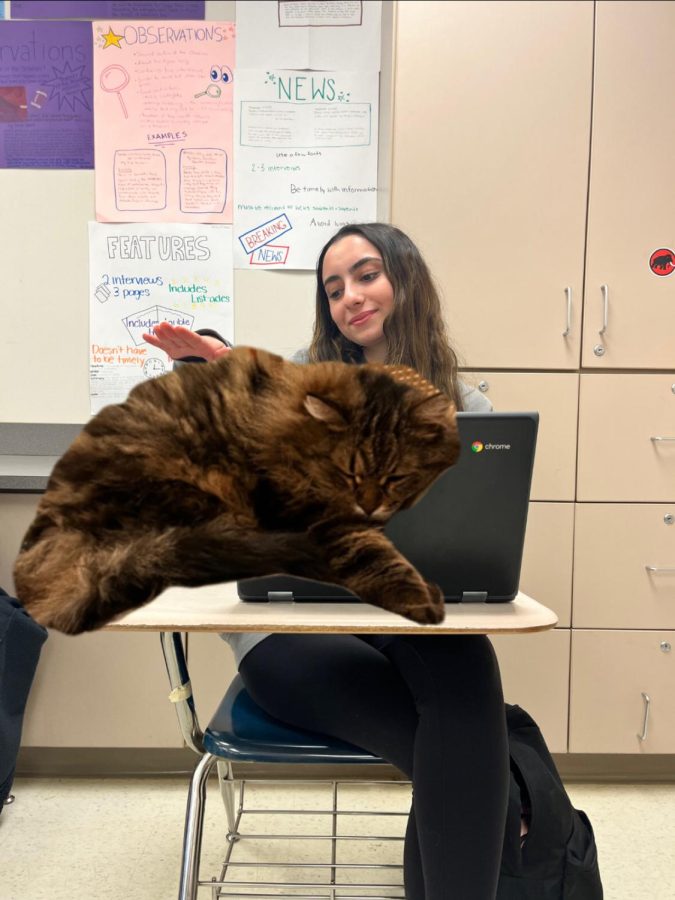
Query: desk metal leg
194, 825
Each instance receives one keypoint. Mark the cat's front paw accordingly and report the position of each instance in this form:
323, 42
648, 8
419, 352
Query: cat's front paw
428, 612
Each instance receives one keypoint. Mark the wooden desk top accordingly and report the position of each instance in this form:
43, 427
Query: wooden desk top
217, 608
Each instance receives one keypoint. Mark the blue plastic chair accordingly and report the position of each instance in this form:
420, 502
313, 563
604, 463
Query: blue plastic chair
240, 732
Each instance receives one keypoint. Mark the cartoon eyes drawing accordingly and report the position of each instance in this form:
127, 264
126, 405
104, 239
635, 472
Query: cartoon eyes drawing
221, 73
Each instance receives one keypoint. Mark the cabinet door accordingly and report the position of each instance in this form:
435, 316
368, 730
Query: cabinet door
619, 418
555, 398
630, 206
546, 574
615, 544
93, 690
611, 670
492, 105
535, 675
101, 690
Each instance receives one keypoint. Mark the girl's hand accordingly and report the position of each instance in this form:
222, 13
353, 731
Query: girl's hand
178, 341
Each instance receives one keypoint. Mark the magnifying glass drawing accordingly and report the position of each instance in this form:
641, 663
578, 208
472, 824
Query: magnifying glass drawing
211, 91
114, 79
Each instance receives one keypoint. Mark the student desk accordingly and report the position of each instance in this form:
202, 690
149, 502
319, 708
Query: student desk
218, 608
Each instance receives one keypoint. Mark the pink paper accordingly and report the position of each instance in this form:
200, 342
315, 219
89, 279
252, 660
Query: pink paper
163, 121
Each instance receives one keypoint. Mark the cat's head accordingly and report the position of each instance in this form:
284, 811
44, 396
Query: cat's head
383, 434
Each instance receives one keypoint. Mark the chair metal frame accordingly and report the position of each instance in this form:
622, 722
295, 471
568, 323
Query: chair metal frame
233, 793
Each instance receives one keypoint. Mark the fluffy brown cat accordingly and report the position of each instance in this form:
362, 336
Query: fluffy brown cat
243, 467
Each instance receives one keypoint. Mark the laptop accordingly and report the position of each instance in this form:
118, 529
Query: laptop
466, 534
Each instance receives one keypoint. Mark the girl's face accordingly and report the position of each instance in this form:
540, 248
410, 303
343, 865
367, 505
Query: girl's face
360, 295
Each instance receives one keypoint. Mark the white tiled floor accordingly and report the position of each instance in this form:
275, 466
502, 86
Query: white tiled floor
115, 839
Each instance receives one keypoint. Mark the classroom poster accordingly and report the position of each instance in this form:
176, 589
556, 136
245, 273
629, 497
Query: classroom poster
309, 34
140, 275
107, 9
306, 156
163, 124
46, 111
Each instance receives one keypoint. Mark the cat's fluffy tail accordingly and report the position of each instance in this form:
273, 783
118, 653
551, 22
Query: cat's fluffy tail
67, 582
73, 582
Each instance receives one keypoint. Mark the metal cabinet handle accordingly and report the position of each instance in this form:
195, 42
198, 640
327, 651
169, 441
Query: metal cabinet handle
605, 307
655, 439
568, 294
643, 736
667, 569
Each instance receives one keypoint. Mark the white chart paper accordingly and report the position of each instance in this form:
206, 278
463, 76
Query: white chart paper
306, 162
140, 275
309, 34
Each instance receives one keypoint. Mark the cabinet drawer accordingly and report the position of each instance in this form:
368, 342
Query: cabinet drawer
535, 675
546, 574
555, 398
610, 672
619, 415
614, 543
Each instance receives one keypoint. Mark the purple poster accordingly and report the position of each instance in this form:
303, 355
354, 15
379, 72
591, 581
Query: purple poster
107, 9
46, 119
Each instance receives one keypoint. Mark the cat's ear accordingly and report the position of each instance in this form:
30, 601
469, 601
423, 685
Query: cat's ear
325, 411
434, 410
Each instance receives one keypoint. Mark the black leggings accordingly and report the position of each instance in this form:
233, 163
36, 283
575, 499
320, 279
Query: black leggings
432, 706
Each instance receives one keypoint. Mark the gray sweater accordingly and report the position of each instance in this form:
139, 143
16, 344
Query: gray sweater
242, 644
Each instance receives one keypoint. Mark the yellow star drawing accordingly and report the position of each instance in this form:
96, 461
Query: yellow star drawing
112, 39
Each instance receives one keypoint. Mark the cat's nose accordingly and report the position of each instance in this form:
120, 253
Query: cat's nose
369, 501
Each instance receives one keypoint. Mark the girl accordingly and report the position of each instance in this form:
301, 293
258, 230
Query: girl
431, 705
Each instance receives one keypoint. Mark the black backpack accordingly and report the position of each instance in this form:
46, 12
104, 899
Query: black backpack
20, 642
558, 859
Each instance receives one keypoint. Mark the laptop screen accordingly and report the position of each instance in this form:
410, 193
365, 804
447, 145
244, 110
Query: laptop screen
467, 533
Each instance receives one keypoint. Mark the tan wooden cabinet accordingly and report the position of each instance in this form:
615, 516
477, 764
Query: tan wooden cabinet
535, 675
546, 573
101, 690
624, 565
627, 438
613, 674
630, 208
492, 107
93, 690
555, 397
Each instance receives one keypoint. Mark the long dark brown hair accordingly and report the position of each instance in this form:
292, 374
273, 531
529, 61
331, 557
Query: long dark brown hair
415, 331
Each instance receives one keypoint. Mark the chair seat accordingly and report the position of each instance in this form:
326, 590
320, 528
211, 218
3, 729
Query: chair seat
241, 731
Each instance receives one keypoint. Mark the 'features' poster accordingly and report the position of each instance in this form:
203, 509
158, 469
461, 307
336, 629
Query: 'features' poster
144, 274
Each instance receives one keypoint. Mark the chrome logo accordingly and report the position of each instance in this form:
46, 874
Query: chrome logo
477, 447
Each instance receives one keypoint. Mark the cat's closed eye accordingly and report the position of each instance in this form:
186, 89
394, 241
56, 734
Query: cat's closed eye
393, 479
